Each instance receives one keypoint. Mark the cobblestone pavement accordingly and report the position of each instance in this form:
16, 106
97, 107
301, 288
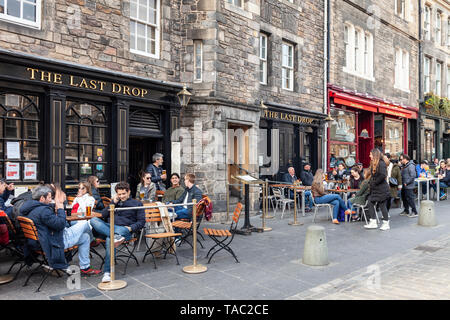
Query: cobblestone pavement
406, 262
419, 273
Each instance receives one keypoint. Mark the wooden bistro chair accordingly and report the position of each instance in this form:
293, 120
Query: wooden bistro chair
159, 195
70, 199
167, 238
185, 225
30, 232
15, 244
106, 201
227, 235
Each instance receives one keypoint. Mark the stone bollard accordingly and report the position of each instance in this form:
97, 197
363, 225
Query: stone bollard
315, 252
427, 217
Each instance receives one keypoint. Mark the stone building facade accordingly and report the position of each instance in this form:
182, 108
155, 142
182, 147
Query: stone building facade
374, 67
435, 80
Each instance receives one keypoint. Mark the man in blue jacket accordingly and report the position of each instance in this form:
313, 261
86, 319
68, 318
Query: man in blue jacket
125, 222
5, 191
54, 233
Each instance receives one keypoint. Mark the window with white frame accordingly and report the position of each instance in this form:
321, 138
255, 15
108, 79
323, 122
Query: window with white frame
438, 82
144, 27
401, 69
438, 28
427, 23
400, 8
358, 52
198, 60
263, 59
237, 3
426, 74
24, 12
287, 66
448, 82
448, 32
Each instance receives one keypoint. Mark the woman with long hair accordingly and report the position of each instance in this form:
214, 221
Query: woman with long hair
83, 199
320, 196
95, 184
146, 189
379, 190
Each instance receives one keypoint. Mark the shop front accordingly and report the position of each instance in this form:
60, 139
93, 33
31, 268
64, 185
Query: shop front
361, 123
61, 122
289, 135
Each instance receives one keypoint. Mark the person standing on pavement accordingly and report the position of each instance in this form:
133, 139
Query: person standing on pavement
306, 177
379, 190
408, 173
444, 183
158, 174
394, 180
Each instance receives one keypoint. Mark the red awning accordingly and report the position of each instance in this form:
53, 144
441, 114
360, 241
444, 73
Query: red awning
372, 105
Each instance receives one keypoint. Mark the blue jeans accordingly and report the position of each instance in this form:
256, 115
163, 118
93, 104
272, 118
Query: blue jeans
442, 187
79, 234
333, 199
103, 229
182, 213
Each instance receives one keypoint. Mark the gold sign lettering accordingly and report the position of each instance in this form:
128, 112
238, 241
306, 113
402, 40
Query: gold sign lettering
85, 83
287, 117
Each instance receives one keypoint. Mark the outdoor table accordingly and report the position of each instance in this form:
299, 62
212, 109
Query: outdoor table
419, 194
78, 217
300, 188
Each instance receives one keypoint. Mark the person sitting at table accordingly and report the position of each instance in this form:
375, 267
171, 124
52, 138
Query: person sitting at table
440, 170
444, 183
422, 170
306, 177
190, 192
83, 199
175, 191
55, 234
361, 195
320, 196
290, 178
355, 178
146, 188
94, 182
5, 191
125, 222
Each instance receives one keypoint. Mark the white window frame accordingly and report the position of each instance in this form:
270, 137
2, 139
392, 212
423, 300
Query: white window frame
287, 69
21, 21
402, 7
426, 75
448, 31
427, 23
347, 46
198, 44
448, 81
237, 3
438, 79
438, 28
401, 81
358, 52
147, 24
263, 58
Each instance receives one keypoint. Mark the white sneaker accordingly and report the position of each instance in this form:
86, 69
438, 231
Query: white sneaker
106, 277
372, 224
385, 225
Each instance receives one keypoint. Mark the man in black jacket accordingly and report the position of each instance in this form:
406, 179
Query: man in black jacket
444, 182
54, 233
191, 192
125, 222
156, 170
408, 173
307, 177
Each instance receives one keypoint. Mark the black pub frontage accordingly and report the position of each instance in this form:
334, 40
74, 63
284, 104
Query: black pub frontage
62, 122
289, 135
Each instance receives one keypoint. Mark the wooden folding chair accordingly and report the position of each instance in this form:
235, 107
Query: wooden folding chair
227, 235
167, 238
185, 225
106, 201
30, 232
70, 199
159, 195
15, 244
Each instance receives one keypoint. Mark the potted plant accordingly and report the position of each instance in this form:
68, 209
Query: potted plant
445, 107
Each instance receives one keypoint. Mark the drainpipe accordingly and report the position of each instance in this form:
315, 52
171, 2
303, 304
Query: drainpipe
326, 73
421, 94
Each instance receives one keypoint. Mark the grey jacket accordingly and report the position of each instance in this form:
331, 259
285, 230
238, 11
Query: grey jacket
408, 175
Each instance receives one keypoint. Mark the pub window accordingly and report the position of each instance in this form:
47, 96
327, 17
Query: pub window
19, 135
342, 137
287, 71
86, 141
263, 59
144, 27
24, 12
394, 137
198, 60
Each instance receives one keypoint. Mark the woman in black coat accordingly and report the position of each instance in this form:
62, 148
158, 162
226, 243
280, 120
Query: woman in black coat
379, 190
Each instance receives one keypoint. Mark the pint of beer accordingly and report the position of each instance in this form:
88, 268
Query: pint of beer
88, 211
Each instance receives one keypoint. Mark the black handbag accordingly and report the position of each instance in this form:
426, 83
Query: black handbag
393, 182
